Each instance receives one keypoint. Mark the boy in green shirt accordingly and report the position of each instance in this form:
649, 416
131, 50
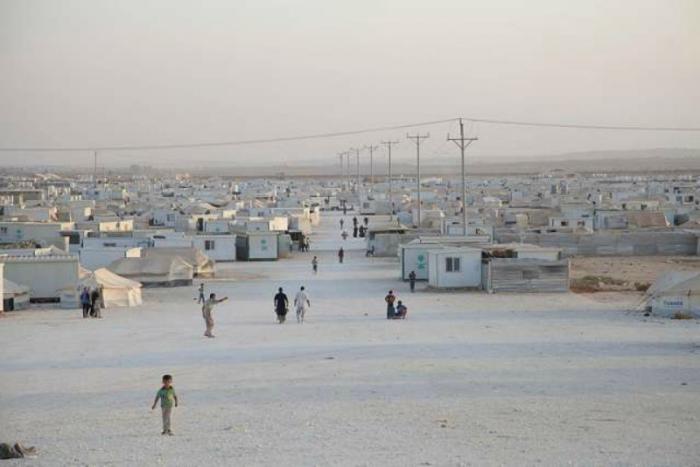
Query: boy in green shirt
168, 398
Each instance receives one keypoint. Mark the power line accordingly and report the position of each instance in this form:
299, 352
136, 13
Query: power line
580, 126
224, 143
150, 147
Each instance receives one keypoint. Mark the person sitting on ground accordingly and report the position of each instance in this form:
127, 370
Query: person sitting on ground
401, 311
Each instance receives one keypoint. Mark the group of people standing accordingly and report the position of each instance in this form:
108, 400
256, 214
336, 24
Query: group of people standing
357, 229
304, 243
92, 302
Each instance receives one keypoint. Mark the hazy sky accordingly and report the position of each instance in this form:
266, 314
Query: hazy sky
94, 72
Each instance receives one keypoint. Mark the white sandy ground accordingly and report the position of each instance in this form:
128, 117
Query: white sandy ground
468, 379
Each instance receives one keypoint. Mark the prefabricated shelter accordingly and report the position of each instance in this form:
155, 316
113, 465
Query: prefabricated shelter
299, 222
675, 293
386, 240
217, 247
95, 258
44, 233
413, 255
46, 276
14, 296
454, 268
202, 265
217, 226
252, 246
116, 290
165, 271
284, 245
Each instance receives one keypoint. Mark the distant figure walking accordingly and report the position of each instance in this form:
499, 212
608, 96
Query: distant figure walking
354, 221
342, 221
390, 299
281, 305
341, 255
366, 221
167, 397
95, 304
201, 298
314, 265
344, 234
412, 281
301, 304
207, 310
85, 301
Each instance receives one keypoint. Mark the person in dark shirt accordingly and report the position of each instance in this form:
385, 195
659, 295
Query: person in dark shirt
95, 304
281, 305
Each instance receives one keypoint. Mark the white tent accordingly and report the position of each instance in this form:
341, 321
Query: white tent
675, 292
15, 296
116, 290
155, 271
203, 265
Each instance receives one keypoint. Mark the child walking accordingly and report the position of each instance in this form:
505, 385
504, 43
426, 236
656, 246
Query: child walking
168, 398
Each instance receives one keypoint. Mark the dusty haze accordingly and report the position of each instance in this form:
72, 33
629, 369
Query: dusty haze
96, 73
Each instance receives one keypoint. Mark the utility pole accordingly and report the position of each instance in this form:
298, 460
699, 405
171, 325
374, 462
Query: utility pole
94, 172
417, 139
347, 167
463, 143
357, 154
391, 196
371, 164
342, 168
359, 180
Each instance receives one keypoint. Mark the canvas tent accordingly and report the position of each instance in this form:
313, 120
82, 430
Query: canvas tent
202, 265
163, 271
675, 292
116, 290
15, 296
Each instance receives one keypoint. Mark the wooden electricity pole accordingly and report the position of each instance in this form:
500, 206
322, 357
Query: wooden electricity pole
391, 196
371, 164
417, 138
463, 143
